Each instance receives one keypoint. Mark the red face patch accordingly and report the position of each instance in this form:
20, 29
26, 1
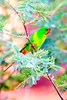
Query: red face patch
49, 30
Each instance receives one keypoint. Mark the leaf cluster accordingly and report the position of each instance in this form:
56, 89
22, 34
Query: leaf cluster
61, 81
35, 65
2, 21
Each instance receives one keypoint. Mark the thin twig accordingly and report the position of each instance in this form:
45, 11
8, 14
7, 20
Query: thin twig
52, 13
9, 66
18, 15
63, 29
13, 9
22, 23
55, 87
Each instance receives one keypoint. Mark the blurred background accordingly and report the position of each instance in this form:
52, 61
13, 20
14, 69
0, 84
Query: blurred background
14, 14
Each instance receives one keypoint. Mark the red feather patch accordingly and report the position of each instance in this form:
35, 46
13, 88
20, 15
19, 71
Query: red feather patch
49, 30
24, 52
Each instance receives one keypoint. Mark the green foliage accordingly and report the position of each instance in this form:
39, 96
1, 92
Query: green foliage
33, 66
61, 81
2, 21
42, 8
35, 61
2, 2
52, 14
54, 50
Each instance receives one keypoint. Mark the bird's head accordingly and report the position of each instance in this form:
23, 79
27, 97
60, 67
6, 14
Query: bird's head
44, 31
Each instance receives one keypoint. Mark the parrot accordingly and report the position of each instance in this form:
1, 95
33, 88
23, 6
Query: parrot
37, 39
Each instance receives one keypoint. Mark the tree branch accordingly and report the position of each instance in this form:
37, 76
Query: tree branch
25, 32
18, 16
55, 87
9, 66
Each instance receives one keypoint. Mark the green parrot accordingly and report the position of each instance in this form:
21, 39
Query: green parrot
37, 39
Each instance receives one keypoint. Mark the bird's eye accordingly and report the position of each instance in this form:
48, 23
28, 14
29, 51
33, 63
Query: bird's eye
46, 29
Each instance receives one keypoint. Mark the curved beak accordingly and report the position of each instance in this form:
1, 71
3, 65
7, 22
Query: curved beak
48, 32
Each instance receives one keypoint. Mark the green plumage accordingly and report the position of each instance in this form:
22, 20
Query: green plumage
37, 40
